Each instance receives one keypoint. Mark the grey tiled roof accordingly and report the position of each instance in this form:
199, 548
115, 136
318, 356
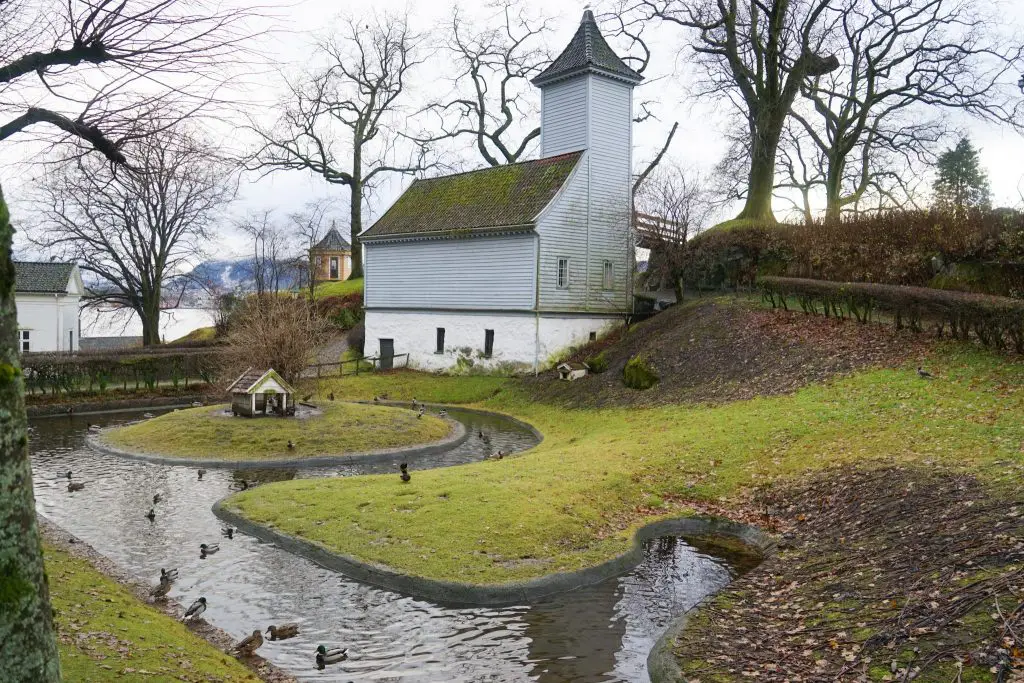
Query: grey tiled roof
43, 277
587, 51
332, 241
488, 200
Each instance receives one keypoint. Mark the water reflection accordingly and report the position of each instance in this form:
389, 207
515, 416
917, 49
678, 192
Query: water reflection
598, 633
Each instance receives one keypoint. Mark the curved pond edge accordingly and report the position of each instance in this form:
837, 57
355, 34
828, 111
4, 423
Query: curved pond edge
456, 437
451, 593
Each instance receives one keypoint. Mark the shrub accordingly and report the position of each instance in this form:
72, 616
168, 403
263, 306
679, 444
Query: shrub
356, 338
344, 312
598, 363
638, 374
994, 320
85, 372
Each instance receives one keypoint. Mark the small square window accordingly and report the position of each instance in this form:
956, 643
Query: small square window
608, 279
440, 341
25, 341
563, 273
488, 343
593, 336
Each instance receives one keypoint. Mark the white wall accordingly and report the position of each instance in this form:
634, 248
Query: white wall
520, 341
49, 319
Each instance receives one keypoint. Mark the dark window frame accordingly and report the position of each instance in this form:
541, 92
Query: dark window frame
608, 275
439, 345
562, 279
488, 343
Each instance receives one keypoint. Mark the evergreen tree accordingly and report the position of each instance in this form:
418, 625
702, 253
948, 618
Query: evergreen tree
961, 184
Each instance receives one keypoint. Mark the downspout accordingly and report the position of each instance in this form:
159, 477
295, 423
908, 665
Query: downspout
536, 307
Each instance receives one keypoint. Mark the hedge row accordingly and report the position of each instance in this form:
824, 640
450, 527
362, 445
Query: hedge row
87, 373
981, 252
996, 321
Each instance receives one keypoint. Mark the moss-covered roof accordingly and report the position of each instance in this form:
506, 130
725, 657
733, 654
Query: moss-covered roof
502, 197
332, 241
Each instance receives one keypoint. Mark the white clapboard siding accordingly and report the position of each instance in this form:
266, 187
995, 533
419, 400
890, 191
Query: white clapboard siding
487, 273
563, 117
604, 115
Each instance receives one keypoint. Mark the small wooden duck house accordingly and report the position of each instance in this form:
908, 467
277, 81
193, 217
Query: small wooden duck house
572, 371
261, 392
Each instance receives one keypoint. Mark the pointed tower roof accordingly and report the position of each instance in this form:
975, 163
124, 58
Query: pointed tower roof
587, 52
332, 241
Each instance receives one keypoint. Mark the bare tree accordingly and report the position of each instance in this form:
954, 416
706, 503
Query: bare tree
135, 231
671, 206
903, 60
756, 54
341, 120
84, 54
493, 100
271, 331
273, 250
311, 224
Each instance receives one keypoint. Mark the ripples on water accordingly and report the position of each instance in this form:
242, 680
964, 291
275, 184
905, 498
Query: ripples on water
599, 633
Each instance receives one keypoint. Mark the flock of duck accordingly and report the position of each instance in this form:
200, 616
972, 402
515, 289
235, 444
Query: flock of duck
324, 655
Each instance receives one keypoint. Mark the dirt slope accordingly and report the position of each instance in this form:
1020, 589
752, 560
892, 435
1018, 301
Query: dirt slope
724, 350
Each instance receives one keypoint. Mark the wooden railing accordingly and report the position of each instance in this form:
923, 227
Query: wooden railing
355, 366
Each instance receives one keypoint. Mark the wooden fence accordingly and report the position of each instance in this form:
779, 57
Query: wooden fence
354, 366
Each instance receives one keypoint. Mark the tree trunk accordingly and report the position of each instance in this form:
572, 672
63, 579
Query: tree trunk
833, 190
761, 182
150, 315
28, 645
357, 226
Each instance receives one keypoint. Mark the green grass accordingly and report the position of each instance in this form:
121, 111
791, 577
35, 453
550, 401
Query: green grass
200, 334
342, 428
405, 385
339, 288
106, 634
576, 499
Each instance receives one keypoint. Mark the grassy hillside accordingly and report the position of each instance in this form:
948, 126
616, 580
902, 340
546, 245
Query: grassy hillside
341, 288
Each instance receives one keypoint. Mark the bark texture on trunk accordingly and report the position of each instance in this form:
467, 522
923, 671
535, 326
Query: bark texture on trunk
28, 644
761, 184
356, 216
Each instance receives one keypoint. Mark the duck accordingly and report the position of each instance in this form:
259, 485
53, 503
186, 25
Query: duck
70, 410
148, 416
95, 429
208, 548
157, 498
404, 467
67, 475
376, 399
283, 632
195, 609
243, 485
228, 532
197, 404
169, 575
332, 656
200, 473
75, 486
442, 413
499, 455
151, 515
249, 644
291, 445
330, 396
162, 588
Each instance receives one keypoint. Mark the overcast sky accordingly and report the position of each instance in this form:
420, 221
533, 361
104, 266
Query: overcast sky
698, 143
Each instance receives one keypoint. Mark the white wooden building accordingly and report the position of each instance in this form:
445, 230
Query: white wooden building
511, 265
48, 297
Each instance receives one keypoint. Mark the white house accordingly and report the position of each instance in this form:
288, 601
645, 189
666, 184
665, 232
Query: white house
513, 264
47, 296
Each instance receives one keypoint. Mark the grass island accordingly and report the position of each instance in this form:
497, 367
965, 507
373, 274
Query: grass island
335, 429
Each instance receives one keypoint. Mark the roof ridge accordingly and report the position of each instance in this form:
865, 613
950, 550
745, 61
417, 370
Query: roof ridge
553, 157
46, 263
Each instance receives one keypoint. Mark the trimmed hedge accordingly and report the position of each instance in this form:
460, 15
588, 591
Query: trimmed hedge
996, 321
638, 374
54, 373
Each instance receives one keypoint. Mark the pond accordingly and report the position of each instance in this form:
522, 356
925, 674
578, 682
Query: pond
599, 633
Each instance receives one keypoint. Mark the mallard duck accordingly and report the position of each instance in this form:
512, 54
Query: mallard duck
208, 548
197, 404
332, 656
67, 474
291, 445
283, 632
404, 467
148, 415
376, 399
200, 473
151, 515
194, 610
228, 532
499, 455
157, 498
162, 588
442, 413
95, 428
243, 485
249, 644
169, 575
75, 486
